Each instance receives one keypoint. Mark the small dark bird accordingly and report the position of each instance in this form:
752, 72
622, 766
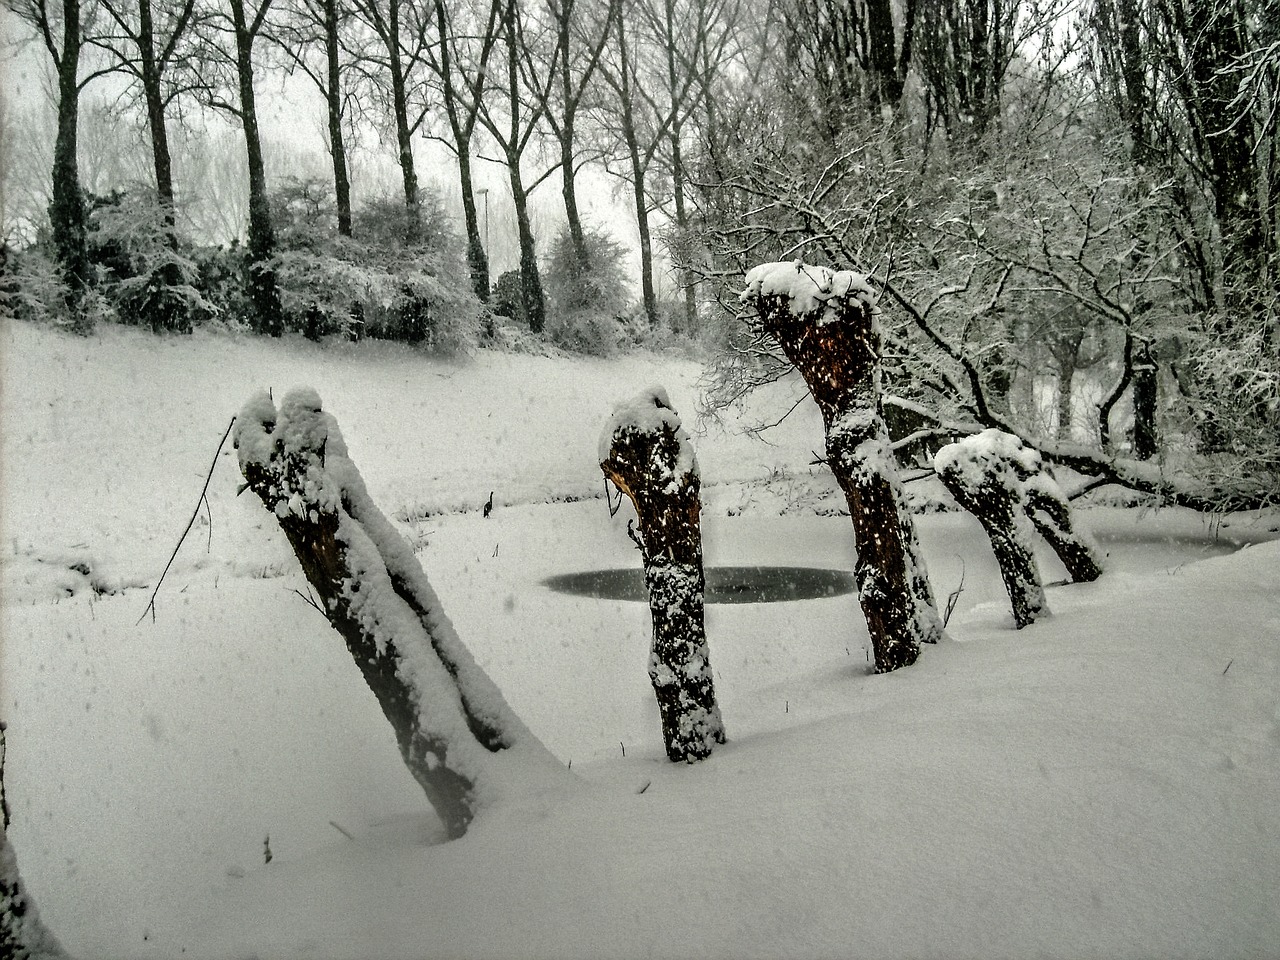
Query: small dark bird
488, 507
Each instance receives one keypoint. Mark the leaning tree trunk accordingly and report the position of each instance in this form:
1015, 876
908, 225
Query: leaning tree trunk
459, 738
22, 934
825, 324
980, 472
1050, 511
645, 451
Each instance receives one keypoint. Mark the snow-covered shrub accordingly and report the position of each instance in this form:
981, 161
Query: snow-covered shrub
587, 299
380, 283
147, 276
506, 299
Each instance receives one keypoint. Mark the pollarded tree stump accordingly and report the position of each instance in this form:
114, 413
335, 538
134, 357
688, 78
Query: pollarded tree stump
981, 473
458, 737
824, 321
647, 455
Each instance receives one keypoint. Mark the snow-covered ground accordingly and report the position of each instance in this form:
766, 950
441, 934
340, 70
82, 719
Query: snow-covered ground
1100, 784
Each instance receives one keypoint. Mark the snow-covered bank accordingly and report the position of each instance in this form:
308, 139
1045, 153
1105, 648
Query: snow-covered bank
1100, 784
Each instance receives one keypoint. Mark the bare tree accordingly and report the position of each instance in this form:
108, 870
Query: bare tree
224, 63
145, 42
460, 61
513, 114
308, 33
64, 29
580, 39
393, 64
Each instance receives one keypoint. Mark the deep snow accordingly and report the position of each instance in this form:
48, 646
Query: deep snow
1102, 783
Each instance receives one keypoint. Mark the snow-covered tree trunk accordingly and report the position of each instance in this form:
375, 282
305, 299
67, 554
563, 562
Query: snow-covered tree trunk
459, 738
646, 453
981, 473
825, 323
1050, 511
22, 935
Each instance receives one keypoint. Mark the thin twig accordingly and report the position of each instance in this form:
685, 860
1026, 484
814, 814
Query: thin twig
151, 604
310, 601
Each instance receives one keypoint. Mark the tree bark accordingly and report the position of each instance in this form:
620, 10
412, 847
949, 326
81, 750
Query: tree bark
162, 161
825, 324
647, 455
477, 257
404, 138
630, 136
458, 737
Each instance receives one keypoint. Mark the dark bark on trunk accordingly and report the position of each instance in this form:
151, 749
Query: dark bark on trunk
569, 190
462, 130
333, 96
66, 207
645, 465
839, 357
1146, 441
566, 132
161, 157
648, 294
22, 934
426, 684
268, 314
997, 502
404, 144
477, 257
1233, 171
531, 292
404, 135
887, 84
1133, 69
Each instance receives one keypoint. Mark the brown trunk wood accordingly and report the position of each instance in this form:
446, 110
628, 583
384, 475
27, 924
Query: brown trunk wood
998, 504
839, 359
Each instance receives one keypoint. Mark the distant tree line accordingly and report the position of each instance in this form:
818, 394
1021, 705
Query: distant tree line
1070, 207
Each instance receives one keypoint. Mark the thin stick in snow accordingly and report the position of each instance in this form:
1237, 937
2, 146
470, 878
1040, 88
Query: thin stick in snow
151, 604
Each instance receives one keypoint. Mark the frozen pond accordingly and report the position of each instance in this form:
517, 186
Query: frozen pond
724, 584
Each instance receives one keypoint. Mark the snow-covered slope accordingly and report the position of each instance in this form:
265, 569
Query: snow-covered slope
1100, 784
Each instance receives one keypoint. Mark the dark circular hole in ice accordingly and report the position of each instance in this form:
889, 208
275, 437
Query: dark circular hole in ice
724, 584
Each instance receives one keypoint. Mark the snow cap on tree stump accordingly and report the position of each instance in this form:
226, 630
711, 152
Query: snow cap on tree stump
974, 458
648, 413
808, 288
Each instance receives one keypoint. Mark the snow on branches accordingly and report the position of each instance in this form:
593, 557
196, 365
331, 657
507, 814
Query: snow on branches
458, 736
